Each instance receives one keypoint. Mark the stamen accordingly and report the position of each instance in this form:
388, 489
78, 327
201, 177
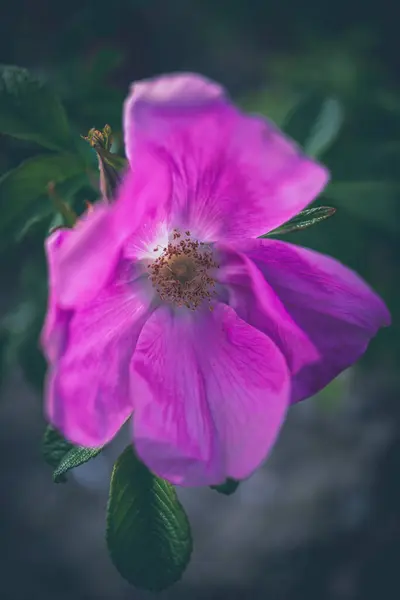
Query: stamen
180, 274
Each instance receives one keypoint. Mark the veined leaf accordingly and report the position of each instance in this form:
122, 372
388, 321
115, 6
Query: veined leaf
305, 219
75, 457
62, 455
148, 532
54, 448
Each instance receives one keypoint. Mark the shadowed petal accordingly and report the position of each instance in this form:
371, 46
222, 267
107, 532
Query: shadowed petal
88, 389
247, 291
333, 307
55, 327
85, 261
233, 175
211, 394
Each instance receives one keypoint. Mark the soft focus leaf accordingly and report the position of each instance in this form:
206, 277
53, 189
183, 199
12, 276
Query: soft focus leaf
275, 103
325, 129
43, 218
25, 189
315, 123
373, 201
229, 487
30, 110
54, 449
148, 532
76, 456
307, 218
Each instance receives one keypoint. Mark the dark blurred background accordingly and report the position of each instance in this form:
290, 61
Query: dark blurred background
321, 520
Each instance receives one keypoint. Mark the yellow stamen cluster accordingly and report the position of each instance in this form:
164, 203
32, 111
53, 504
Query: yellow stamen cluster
180, 274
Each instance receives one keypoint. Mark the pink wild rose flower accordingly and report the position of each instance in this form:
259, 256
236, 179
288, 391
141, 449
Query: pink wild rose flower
164, 305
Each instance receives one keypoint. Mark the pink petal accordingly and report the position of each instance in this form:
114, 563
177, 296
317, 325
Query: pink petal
55, 327
211, 394
336, 311
233, 175
248, 292
88, 397
87, 258
129, 227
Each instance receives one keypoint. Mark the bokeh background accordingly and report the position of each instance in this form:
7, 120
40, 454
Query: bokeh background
321, 520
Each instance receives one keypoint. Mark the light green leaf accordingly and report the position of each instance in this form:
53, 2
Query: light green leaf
76, 456
374, 201
315, 123
228, 488
30, 110
24, 190
307, 218
325, 129
148, 532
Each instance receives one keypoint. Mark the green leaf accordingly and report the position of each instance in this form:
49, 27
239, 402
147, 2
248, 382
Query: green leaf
75, 457
25, 189
308, 217
44, 218
30, 110
55, 448
326, 128
315, 123
148, 533
62, 455
373, 201
229, 487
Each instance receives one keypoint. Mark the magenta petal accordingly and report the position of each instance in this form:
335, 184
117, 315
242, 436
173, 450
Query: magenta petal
248, 292
88, 395
155, 106
233, 175
333, 307
211, 394
55, 327
87, 258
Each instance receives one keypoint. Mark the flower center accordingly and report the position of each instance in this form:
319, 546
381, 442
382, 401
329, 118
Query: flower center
180, 274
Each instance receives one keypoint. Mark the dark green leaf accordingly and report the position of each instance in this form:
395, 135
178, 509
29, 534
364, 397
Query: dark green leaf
229, 487
148, 532
305, 219
30, 110
54, 448
62, 455
315, 123
26, 188
76, 456
43, 217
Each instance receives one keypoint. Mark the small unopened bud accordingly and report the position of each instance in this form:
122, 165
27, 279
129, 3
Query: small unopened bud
110, 165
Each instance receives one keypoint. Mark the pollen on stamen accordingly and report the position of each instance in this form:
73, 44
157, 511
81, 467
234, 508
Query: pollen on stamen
180, 275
